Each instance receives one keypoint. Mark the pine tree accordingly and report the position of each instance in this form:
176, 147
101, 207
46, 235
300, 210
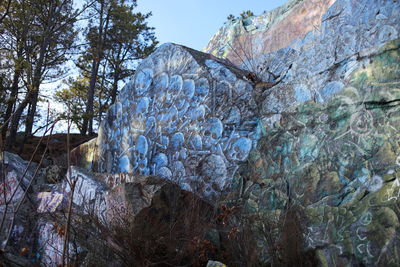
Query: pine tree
116, 37
231, 17
74, 99
129, 39
41, 34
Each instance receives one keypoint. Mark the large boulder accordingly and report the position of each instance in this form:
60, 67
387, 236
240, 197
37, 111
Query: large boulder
152, 220
101, 202
330, 138
17, 175
186, 116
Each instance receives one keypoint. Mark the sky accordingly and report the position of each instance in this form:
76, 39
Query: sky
193, 22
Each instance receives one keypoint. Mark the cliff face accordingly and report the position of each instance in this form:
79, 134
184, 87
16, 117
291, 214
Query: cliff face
308, 140
338, 160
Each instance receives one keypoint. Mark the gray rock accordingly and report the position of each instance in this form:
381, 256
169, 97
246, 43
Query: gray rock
17, 174
89, 193
350, 33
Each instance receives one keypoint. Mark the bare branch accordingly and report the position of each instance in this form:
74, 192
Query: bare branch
6, 12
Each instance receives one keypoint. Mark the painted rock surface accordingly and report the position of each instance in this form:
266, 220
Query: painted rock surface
18, 229
338, 161
186, 116
330, 145
241, 39
318, 67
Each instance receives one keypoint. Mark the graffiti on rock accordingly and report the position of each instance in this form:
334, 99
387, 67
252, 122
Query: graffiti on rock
49, 201
10, 190
171, 121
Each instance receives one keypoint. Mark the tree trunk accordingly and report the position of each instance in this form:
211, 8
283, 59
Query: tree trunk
15, 118
34, 90
30, 118
37, 74
15, 84
100, 96
87, 120
12, 101
115, 86
87, 125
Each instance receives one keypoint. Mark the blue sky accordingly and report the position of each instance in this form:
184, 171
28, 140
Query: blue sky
194, 22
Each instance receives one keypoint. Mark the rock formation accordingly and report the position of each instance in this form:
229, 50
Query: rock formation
186, 116
312, 124
330, 143
242, 39
338, 159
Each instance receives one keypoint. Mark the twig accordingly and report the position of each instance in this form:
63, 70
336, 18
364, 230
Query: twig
72, 184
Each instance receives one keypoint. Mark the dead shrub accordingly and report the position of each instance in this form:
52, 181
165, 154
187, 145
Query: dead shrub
170, 232
174, 231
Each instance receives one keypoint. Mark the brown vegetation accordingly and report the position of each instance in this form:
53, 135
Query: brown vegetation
180, 229
57, 146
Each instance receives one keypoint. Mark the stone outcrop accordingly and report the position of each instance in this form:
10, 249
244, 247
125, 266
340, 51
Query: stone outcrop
17, 228
155, 220
321, 65
37, 235
242, 39
313, 124
338, 159
330, 143
18, 174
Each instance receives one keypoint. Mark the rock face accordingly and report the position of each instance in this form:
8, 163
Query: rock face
15, 180
17, 228
186, 116
339, 159
85, 155
155, 221
331, 137
39, 226
242, 39
321, 65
